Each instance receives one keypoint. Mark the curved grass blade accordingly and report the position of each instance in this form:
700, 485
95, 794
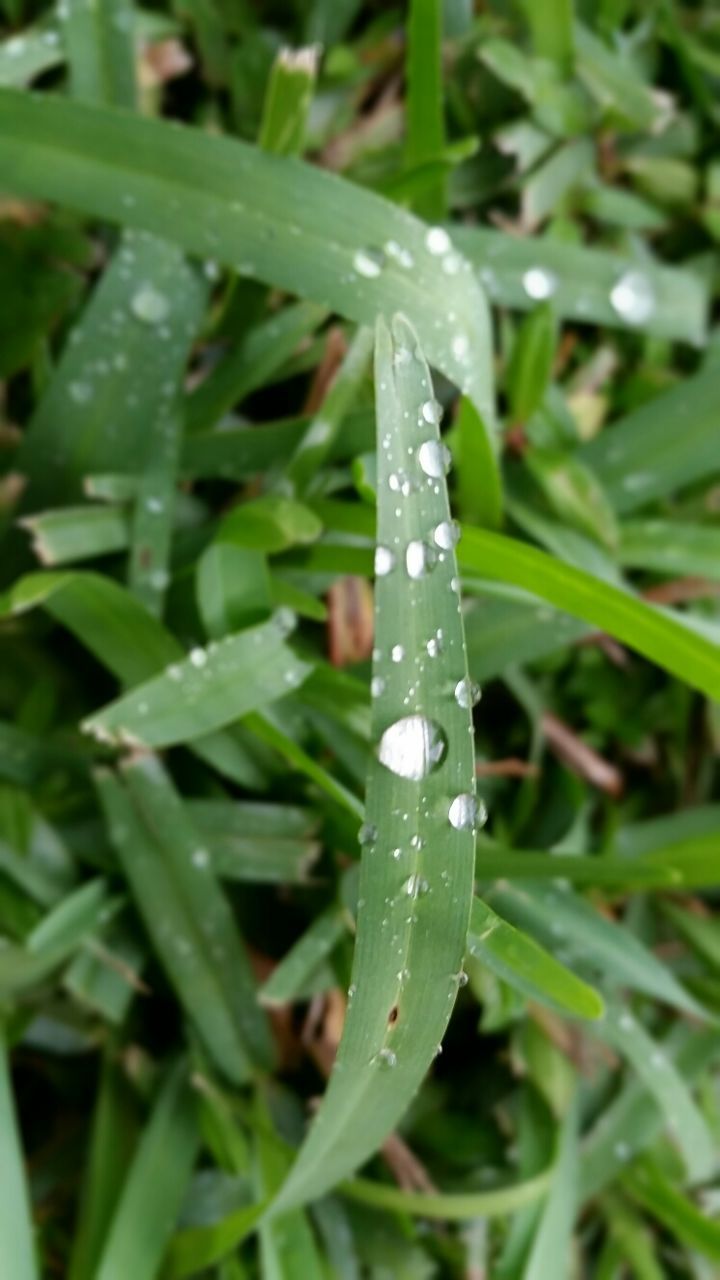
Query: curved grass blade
317, 441
54, 939
209, 689
455, 1206
167, 886
195, 1248
520, 961
652, 632
155, 1185
304, 230
416, 870
16, 1229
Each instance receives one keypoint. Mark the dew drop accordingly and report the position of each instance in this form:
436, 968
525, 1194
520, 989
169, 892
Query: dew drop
434, 458
80, 392
416, 886
437, 241
461, 978
467, 693
419, 558
386, 1058
149, 305
460, 346
466, 813
622, 1151
539, 283
198, 657
369, 262
384, 561
446, 535
412, 747
632, 297
200, 858
397, 653
367, 834
431, 411
377, 686
400, 482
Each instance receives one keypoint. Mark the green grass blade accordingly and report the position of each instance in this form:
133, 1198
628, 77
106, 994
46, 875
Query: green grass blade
648, 1185
552, 31
304, 957
671, 547
519, 272
195, 1248
77, 533
317, 441
653, 633
271, 844
425, 132
322, 228
551, 1252
16, 1229
520, 961
112, 1144
288, 1250
100, 50
416, 874
168, 819
238, 453
209, 689
155, 1185
152, 519
54, 939
496, 863
288, 100
455, 1206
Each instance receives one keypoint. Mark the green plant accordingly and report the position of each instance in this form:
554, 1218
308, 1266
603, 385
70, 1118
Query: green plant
243, 794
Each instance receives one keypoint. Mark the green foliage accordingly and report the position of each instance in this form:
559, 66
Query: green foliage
350, 356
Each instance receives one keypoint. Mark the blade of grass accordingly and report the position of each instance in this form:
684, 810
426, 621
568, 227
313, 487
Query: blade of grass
99, 44
288, 100
648, 1185
455, 1206
412, 923
155, 1185
16, 1228
671, 547
304, 957
317, 441
235, 453
77, 533
518, 960
425, 132
321, 228
551, 1251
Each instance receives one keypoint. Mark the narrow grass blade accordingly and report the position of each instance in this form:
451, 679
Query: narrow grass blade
551, 1251
656, 1069
77, 533
265, 843
195, 1248
287, 1245
455, 1206
322, 228
155, 1185
496, 863
648, 1185
416, 872
288, 100
100, 50
304, 957
561, 919
152, 519
425, 132
668, 546
165, 883
16, 1228
520, 961
24, 57
119, 373
552, 31
668, 442
112, 1142
317, 441
232, 586
211, 688
654, 633
588, 286
54, 939
236, 453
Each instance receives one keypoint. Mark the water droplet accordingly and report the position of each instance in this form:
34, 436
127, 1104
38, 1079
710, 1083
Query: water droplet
622, 1151
467, 693
460, 346
633, 298
400, 482
155, 506
175, 671
416, 886
461, 978
433, 648
369, 262
384, 561
419, 558
446, 535
149, 305
399, 254
412, 747
434, 458
431, 411
451, 263
377, 686
437, 241
200, 858
386, 1058
367, 834
626, 1022
80, 392
397, 653
466, 813
198, 657
539, 283
416, 842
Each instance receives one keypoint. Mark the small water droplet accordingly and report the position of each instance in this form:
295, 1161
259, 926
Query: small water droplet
466, 813
446, 535
461, 978
416, 842
155, 506
200, 858
622, 1151
400, 482
149, 305
198, 657
80, 392
460, 346
377, 686
412, 747
434, 458
437, 241
539, 283
367, 834
416, 886
633, 298
419, 558
386, 1058
451, 263
467, 693
369, 262
384, 561
431, 411
397, 653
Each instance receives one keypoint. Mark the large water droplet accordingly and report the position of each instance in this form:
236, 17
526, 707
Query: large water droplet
434, 458
633, 298
149, 305
446, 535
369, 262
412, 747
384, 561
431, 411
466, 813
437, 240
467, 693
419, 558
539, 283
